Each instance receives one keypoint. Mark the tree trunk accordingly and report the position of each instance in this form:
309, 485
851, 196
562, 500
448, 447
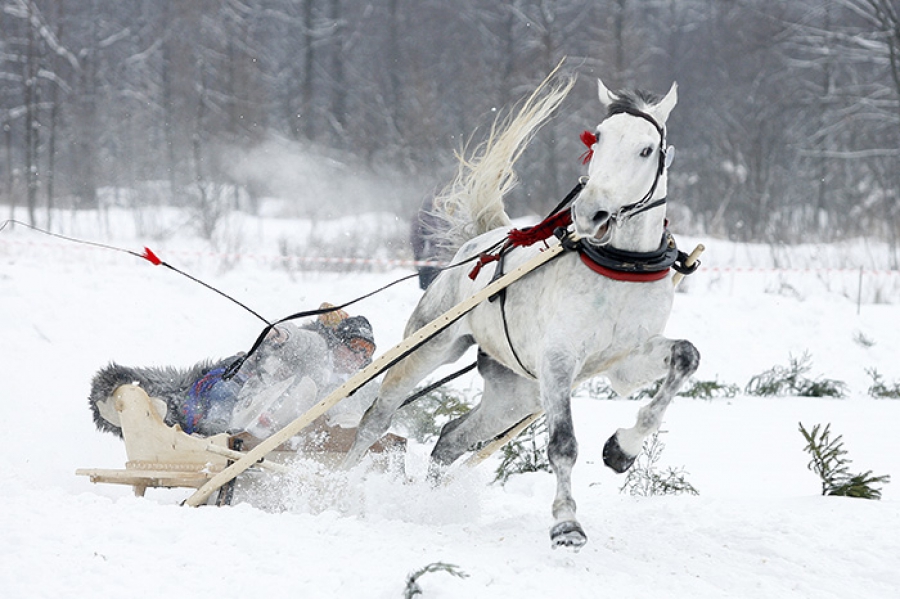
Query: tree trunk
338, 75
309, 59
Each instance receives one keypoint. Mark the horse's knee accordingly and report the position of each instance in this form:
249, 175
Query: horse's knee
684, 359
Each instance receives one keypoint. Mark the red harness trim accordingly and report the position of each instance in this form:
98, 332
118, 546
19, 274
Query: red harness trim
482, 260
541, 231
633, 277
525, 237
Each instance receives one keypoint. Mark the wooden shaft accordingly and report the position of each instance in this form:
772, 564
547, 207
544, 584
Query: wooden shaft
236, 455
492, 447
380, 364
692, 257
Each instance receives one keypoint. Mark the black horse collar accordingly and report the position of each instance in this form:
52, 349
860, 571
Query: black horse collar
623, 265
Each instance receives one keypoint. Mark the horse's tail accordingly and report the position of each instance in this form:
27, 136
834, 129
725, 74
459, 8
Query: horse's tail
472, 203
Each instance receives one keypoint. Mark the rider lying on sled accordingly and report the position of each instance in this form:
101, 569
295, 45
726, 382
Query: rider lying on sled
294, 368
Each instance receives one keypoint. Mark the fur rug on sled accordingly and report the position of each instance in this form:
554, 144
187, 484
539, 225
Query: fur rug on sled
168, 388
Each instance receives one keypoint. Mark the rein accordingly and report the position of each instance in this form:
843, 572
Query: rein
235, 366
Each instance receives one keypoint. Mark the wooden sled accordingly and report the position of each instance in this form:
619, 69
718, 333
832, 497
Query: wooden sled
160, 455
165, 456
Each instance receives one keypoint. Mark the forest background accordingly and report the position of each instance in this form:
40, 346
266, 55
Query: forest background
787, 128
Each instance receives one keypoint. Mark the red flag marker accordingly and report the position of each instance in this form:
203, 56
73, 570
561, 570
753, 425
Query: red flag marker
149, 256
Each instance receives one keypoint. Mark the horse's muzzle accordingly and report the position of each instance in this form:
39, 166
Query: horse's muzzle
600, 224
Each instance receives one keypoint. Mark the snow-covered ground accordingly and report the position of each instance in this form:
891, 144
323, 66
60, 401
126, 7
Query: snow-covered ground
759, 527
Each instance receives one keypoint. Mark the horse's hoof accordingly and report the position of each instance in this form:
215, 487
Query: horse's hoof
615, 457
568, 534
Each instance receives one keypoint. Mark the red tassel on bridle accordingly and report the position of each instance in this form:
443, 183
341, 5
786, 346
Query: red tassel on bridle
588, 138
540, 231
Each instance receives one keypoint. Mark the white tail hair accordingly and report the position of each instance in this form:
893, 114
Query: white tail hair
472, 203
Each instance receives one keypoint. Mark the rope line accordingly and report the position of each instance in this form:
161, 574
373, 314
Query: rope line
401, 263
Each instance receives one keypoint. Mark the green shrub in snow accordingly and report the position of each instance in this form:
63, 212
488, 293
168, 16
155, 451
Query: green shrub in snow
424, 418
645, 479
779, 381
879, 389
526, 453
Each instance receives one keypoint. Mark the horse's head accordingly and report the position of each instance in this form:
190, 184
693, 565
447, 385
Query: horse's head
629, 158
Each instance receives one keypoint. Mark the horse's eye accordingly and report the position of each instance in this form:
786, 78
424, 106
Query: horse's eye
646, 152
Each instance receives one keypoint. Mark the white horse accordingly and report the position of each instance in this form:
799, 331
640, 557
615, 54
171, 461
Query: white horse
562, 323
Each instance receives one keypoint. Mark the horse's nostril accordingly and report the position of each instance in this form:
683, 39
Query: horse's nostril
600, 217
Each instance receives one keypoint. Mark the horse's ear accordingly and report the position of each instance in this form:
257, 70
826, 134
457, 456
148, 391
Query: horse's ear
606, 97
661, 111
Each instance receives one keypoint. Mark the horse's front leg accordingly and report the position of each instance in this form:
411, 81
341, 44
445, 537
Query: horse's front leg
677, 360
556, 378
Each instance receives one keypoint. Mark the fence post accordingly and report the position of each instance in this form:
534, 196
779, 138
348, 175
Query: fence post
859, 292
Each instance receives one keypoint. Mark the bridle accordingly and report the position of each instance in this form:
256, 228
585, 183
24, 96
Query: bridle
646, 203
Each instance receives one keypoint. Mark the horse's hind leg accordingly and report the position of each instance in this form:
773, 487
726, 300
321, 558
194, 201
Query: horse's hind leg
398, 383
678, 360
507, 399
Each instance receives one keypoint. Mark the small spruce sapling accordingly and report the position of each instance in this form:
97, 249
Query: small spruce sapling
879, 389
709, 390
526, 453
424, 417
598, 388
829, 462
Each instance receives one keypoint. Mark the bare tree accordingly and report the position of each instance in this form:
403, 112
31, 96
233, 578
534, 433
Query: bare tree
851, 50
787, 127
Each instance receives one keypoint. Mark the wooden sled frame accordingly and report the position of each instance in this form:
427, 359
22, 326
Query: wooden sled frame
160, 455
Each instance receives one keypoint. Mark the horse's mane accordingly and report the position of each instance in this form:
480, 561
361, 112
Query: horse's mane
633, 99
472, 203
